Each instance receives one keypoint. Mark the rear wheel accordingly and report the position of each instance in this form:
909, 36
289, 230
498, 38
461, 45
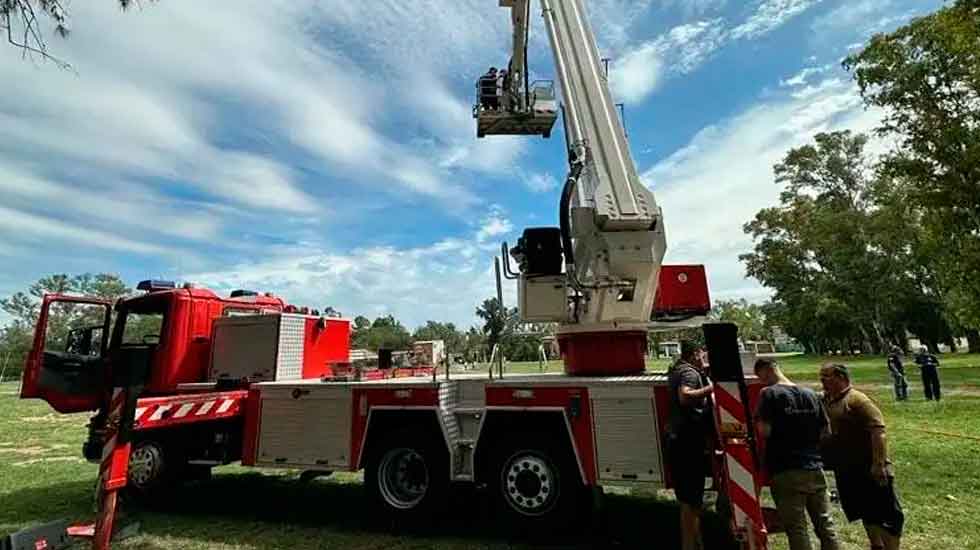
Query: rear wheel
538, 487
407, 474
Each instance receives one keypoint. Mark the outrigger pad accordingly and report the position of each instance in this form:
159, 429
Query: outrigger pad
50, 536
721, 339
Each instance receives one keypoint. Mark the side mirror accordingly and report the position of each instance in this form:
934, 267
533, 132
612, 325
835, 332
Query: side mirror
151, 339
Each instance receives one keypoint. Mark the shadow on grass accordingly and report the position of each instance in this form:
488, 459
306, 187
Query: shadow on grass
251, 506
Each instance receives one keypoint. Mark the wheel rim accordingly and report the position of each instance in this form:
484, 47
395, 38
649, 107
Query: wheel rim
145, 465
403, 478
530, 483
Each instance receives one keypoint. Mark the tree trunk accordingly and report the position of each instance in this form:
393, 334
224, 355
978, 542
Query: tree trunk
973, 340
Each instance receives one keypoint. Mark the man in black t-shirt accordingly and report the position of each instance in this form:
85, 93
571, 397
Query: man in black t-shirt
929, 365
687, 439
792, 421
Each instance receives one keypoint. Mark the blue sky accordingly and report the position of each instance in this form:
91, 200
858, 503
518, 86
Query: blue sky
325, 151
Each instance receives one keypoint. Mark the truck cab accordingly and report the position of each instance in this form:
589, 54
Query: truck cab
73, 356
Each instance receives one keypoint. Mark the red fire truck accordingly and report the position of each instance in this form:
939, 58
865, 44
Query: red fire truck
249, 378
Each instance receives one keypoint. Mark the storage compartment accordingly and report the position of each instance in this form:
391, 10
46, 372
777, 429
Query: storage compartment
277, 347
682, 291
305, 426
543, 298
626, 435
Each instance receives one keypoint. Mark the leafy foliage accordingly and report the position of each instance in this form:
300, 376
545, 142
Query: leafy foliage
925, 77
749, 318
843, 252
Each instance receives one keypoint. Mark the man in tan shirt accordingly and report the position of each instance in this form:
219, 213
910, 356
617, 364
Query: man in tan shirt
858, 454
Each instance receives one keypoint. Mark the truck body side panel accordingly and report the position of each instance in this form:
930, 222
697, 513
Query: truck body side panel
574, 401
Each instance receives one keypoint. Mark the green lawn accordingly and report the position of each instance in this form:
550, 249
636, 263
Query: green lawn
936, 448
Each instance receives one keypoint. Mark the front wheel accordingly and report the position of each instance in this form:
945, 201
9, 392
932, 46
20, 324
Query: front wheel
407, 474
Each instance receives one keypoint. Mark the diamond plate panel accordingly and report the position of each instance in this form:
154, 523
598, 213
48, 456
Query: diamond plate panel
289, 361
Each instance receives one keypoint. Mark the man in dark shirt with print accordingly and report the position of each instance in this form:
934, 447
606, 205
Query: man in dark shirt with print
687, 436
792, 421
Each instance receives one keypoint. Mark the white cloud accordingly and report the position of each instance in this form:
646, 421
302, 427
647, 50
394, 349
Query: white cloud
678, 51
113, 205
41, 229
444, 280
540, 182
642, 68
715, 184
769, 15
494, 224
802, 77
638, 73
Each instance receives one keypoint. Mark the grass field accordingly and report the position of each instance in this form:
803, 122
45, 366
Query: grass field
935, 446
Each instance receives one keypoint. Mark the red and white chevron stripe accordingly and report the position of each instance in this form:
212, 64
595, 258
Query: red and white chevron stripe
159, 412
112, 471
741, 483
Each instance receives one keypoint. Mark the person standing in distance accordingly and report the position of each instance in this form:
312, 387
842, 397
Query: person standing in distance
792, 420
858, 454
929, 366
687, 437
897, 370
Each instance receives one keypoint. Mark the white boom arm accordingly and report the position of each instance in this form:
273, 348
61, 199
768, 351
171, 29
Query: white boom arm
613, 237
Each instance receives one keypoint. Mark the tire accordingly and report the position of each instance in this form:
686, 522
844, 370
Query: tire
150, 466
156, 467
537, 486
407, 475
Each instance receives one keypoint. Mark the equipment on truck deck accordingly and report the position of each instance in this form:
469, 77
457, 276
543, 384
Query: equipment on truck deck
611, 239
280, 346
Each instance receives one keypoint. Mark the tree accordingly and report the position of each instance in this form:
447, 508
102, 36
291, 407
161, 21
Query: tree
925, 77
433, 330
20, 21
497, 323
841, 252
385, 332
749, 318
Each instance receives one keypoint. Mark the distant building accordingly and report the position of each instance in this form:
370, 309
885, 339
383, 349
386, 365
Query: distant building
758, 347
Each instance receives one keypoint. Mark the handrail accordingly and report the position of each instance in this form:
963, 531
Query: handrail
509, 274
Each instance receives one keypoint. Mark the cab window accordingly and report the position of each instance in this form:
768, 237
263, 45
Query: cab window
75, 329
142, 328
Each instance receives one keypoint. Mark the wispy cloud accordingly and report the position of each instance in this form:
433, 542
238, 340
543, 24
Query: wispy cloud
769, 15
449, 276
540, 182
685, 48
802, 77
678, 51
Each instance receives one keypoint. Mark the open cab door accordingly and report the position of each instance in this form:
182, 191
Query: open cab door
67, 363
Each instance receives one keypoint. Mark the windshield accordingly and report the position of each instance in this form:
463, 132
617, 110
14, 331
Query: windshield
141, 321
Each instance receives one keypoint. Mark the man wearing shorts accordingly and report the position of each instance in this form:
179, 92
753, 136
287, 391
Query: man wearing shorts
857, 452
687, 435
